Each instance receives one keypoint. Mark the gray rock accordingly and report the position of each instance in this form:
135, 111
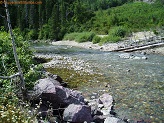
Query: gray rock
144, 57
106, 100
126, 55
49, 90
94, 106
111, 120
100, 106
77, 113
57, 78
98, 119
106, 111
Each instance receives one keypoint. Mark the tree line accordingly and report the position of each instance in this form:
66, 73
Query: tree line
52, 19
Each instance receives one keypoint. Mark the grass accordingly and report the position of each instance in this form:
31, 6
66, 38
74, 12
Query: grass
80, 37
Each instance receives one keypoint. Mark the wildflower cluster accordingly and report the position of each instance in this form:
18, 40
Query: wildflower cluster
12, 112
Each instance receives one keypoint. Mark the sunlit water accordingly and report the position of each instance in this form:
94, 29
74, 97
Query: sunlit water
137, 85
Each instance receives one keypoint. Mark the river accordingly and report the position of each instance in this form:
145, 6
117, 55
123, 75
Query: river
137, 85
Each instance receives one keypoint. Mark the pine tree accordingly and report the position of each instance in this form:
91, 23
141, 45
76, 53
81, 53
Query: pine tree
54, 23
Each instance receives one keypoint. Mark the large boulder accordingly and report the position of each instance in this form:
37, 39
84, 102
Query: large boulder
77, 113
50, 90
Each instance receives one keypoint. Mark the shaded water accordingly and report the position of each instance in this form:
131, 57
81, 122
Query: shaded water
137, 85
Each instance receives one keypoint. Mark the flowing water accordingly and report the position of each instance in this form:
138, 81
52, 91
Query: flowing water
137, 85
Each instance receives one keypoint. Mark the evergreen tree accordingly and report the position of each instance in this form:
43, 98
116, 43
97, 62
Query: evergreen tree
54, 23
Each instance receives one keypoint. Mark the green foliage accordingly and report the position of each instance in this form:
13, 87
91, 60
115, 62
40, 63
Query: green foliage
110, 39
32, 35
44, 32
53, 19
80, 37
118, 31
85, 36
11, 111
71, 36
7, 57
7, 62
136, 16
96, 39
32, 75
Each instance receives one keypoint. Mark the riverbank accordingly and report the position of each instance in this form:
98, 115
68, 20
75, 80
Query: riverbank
107, 47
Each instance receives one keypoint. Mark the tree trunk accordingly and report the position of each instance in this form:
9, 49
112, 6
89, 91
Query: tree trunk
14, 50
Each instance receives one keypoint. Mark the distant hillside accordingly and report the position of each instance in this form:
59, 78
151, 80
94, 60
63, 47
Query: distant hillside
134, 16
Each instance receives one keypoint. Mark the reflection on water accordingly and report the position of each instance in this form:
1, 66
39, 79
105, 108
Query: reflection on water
137, 85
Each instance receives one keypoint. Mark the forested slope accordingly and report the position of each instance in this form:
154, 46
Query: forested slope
53, 19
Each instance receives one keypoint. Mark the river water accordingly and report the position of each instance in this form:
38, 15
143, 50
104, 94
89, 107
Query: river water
137, 85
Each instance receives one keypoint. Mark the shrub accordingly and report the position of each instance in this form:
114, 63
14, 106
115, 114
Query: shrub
32, 35
7, 62
71, 36
32, 75
96, 39
118, 31
110, 39
84, 37
80, 37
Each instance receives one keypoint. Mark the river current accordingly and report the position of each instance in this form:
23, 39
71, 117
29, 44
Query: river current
137, 85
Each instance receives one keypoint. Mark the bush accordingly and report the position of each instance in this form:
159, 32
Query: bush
84, 37
32, 35
110, 39
71, 36
7, 62
11, 110
32, 75
96, 39
80, 37
118, 31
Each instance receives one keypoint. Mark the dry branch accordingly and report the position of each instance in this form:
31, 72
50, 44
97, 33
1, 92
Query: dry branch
10, 77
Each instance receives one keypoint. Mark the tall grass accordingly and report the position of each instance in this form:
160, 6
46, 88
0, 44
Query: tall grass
80, 37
